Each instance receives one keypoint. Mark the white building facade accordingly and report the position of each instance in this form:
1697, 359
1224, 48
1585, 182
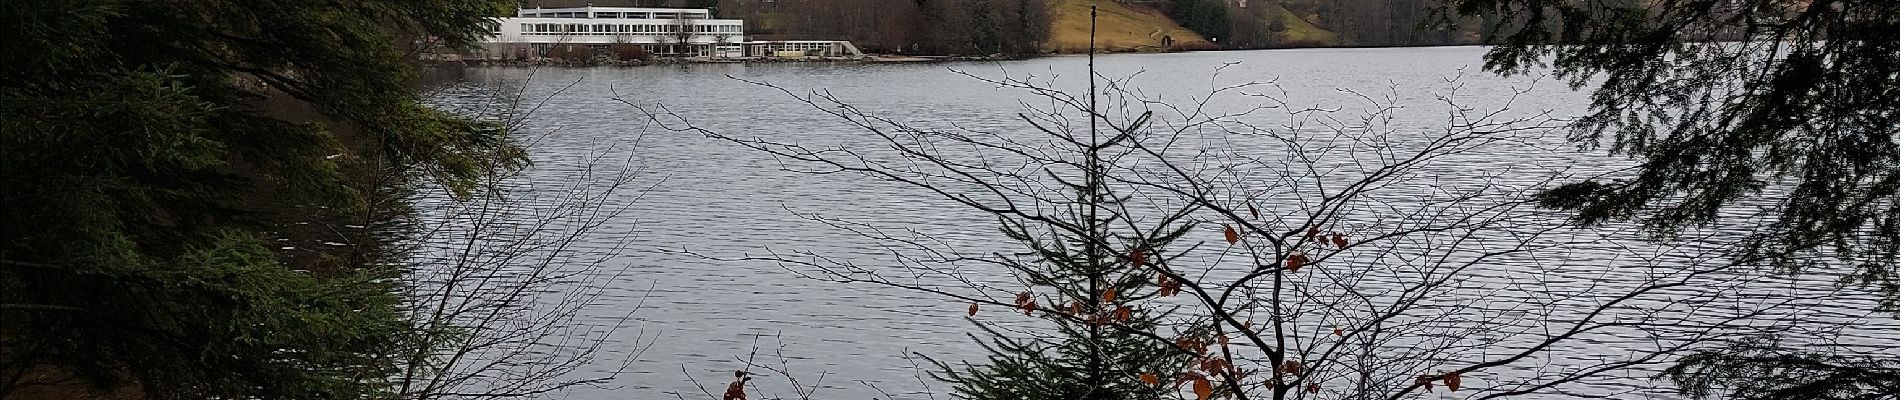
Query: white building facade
603, 30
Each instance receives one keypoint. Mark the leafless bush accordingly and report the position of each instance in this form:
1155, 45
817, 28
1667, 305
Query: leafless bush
503, 282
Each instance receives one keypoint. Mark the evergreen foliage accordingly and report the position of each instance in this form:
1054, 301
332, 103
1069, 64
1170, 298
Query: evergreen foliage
150, 147
1790, 106
1804, 96
1763, 368
1094, 267
1096, 350
1206, 17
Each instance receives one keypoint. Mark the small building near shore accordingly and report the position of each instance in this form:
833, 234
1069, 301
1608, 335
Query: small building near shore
676, 32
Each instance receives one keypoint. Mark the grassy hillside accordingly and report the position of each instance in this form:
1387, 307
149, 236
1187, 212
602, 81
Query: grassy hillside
1119, 28
1299, 32
1125, 28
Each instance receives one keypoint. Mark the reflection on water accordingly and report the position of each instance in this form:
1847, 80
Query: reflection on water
720, 200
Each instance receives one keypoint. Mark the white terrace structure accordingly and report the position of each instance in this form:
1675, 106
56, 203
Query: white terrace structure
678, 32
661, 31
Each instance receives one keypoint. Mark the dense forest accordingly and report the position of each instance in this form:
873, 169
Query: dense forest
1024, 26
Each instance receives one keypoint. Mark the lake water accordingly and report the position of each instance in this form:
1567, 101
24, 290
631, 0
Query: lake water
719, 200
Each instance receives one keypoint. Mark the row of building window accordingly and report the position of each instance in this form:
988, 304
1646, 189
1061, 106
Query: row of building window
615, 29
797, 46
627, 15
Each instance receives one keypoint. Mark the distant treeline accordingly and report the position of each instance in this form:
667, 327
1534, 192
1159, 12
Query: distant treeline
965, 27
902, 26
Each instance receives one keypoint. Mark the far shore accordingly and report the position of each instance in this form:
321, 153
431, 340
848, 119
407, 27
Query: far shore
871, 58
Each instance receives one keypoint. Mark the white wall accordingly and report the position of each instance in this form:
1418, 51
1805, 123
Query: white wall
511, 31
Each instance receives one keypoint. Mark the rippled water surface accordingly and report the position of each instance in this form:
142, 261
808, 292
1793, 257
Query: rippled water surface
719, 200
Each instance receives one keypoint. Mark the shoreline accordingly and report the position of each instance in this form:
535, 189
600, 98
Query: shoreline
598, 62
873, 59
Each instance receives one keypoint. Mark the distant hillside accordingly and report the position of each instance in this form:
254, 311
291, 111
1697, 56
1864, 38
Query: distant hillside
1283, 28
985, 27
1120, 27
1138, 25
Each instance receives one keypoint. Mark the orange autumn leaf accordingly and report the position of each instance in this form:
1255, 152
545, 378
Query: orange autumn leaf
1150, 379
1295, 261
1169, 286
1108, 296
1203, 388
1214, 365
736, 390
972, 309
1291, 367
1138, 257
1191, 344
1232, 236
1425, 380
1339, 332
1312, 233
1123, 314
1028, 308
1452, 381
1339, 240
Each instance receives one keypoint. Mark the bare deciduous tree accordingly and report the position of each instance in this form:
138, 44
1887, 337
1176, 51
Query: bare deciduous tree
680, 32
1358, 257
503, 281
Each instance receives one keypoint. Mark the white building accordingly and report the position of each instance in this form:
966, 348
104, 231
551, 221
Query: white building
603, 30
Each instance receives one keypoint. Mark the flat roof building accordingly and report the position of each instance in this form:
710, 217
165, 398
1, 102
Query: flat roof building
677, 32
662, 31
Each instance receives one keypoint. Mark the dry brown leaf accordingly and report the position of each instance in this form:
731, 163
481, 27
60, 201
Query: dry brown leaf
1295, 261
736, 390
1291, 367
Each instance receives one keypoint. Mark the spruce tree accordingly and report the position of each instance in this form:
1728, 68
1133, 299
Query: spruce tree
1091, 272
1097, 291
